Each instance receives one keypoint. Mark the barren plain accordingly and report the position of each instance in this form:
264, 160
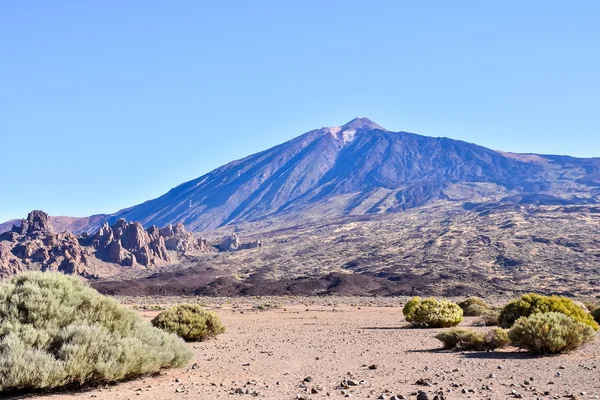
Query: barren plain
304, 348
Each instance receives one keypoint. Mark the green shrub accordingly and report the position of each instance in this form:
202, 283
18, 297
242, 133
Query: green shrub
468, 339
473, 306
190, 321
550, 333
432, 313
533, 303
56, 331
461, 339
475, 310
410, 307
496, 338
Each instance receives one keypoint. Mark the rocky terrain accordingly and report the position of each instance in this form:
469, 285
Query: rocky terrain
442, 249
33, 244
346, 347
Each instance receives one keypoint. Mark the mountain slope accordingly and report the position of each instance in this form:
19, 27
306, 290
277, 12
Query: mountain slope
361, 168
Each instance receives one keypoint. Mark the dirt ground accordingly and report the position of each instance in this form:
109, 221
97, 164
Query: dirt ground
286, 352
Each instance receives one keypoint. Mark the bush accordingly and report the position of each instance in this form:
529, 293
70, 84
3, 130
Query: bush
461, 339
496, 338
431, 313
534, 303
468, 339
410, 307
550, 333
489, 318
475, 310
473, 307
190, 321
56, 331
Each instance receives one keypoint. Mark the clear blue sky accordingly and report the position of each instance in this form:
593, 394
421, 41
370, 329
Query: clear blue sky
105, 104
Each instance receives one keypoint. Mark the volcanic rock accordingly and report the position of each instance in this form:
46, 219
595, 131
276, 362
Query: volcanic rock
126, 243
34, 245
36, 222
233, 242
177, 238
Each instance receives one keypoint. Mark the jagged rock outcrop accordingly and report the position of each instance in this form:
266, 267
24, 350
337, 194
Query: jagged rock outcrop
177, 238
126, 243
233, 243
36, 222
34, 245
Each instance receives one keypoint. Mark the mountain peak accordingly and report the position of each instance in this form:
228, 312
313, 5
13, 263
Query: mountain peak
362, 123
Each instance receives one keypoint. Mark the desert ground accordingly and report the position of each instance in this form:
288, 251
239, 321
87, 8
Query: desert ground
314, 348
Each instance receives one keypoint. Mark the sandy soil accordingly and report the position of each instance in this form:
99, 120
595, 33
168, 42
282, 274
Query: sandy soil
271, 354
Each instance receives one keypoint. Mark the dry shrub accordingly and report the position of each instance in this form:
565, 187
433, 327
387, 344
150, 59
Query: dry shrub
550, 333
55, 331
189, 321
473, 307
533, 303
489, 318
496, 338
468, 339
432, 313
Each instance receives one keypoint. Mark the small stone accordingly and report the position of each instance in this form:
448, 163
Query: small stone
422, 396
424, 382
374, 366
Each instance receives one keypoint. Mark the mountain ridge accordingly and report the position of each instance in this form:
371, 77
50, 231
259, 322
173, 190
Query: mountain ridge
360, 167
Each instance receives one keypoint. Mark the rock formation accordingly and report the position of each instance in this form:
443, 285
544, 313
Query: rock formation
36, 222
34, 245
178, 239
233, 243
126, 243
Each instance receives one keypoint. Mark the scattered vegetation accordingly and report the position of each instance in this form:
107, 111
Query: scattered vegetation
496, 338
489, 318
432, 313
189, 321
550, 333
473, 307
55, 331
533, 303
468, 339
152, 307
265, 306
